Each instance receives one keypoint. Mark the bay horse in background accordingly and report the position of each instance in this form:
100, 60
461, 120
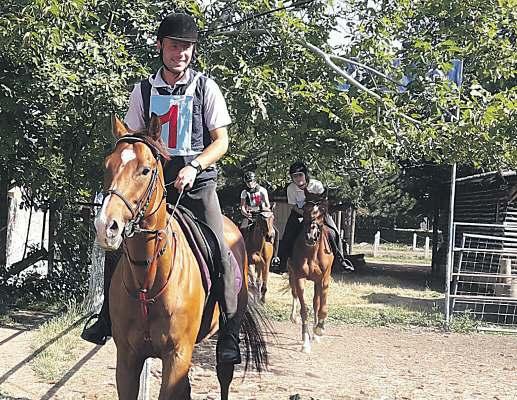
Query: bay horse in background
259, 247
157, 295
311, 260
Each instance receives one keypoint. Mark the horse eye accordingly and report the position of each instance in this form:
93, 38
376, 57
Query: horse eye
146, 170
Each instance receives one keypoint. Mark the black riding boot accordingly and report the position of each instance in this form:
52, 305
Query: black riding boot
339, 258
100, 331
275, 261
228, 350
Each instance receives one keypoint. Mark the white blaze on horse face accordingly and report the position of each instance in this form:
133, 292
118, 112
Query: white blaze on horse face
101, 221
101, 227
127, 155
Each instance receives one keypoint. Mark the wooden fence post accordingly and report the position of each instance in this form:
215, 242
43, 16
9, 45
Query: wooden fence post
414, 241
145, 382
376, 243
426, 249
4, 217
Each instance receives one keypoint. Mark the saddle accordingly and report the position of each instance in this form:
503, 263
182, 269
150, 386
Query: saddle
204, 244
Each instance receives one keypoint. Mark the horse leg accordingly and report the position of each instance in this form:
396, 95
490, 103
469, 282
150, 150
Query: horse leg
316, 304
225, 377
263, 281
129, 367
300, 292
175, 381
294, 304
323, 309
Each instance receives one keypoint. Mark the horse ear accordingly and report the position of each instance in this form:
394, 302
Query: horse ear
155, 127
118, 129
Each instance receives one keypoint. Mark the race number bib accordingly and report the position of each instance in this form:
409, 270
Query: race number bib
175, 114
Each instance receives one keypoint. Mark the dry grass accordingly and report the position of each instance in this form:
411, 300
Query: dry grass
60, 343
370, 300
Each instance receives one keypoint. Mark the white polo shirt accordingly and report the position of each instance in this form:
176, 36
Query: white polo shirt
215, 110
296, 196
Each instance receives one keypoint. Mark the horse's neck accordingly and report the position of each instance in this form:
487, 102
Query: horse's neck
256, 236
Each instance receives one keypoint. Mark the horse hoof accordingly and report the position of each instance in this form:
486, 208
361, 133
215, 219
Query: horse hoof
319, 331
317, 338
306, 349
295, 320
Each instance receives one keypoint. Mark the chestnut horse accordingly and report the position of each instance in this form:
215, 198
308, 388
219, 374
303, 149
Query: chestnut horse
259, 247
312, 259
156, 294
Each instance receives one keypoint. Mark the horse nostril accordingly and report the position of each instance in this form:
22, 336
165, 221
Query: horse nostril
113, 227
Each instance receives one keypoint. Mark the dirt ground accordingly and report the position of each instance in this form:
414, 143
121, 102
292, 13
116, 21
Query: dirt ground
350, 363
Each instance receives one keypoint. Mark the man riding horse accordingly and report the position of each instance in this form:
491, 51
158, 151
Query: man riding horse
253, 200
194, 118
296, 193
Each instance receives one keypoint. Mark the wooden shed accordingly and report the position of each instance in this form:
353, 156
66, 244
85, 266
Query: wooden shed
486, 204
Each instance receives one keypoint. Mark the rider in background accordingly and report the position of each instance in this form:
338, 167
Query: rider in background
296, 199
255, 199
194, 118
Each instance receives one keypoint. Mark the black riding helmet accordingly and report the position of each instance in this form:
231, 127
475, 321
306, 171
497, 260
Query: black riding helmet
299, 166
178, 26
249, 176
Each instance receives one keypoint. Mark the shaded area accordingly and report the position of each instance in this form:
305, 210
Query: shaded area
409, 303
405, 275
26, 320
53, 390
29, 358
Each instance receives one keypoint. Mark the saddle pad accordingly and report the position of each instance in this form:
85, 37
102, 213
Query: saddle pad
205, 247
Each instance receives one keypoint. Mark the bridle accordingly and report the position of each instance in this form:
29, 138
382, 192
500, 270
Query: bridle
312, 226
138, 212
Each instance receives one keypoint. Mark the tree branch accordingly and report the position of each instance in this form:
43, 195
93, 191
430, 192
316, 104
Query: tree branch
349, 78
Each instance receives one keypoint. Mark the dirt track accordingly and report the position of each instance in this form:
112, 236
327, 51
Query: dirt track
350, 363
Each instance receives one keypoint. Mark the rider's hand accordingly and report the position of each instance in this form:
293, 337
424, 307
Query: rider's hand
186, 178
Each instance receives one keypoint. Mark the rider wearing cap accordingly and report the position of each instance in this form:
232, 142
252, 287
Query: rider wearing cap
194, 118
296, 199
254, 199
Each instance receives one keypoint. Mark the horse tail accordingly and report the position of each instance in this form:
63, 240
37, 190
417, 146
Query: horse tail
255, 326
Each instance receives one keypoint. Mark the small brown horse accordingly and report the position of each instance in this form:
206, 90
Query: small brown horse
312, 259
259, 246
156, 293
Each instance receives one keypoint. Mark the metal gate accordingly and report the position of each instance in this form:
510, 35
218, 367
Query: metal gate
481, 273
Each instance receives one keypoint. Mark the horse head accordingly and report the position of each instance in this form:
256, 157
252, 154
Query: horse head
133, 184
314, 211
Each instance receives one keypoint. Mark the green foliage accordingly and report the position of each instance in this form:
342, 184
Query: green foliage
65, 66
464, 323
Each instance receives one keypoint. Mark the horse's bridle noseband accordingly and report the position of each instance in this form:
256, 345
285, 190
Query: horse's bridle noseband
138, 212
313, 223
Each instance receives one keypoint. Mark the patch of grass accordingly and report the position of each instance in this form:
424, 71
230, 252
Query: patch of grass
6, 320
464, 323
367, 300
63, 344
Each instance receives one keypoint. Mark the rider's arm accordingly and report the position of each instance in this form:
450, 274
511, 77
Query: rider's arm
244, 207
215, 150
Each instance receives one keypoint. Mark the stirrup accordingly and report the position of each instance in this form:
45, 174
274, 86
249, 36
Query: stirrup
98, 333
